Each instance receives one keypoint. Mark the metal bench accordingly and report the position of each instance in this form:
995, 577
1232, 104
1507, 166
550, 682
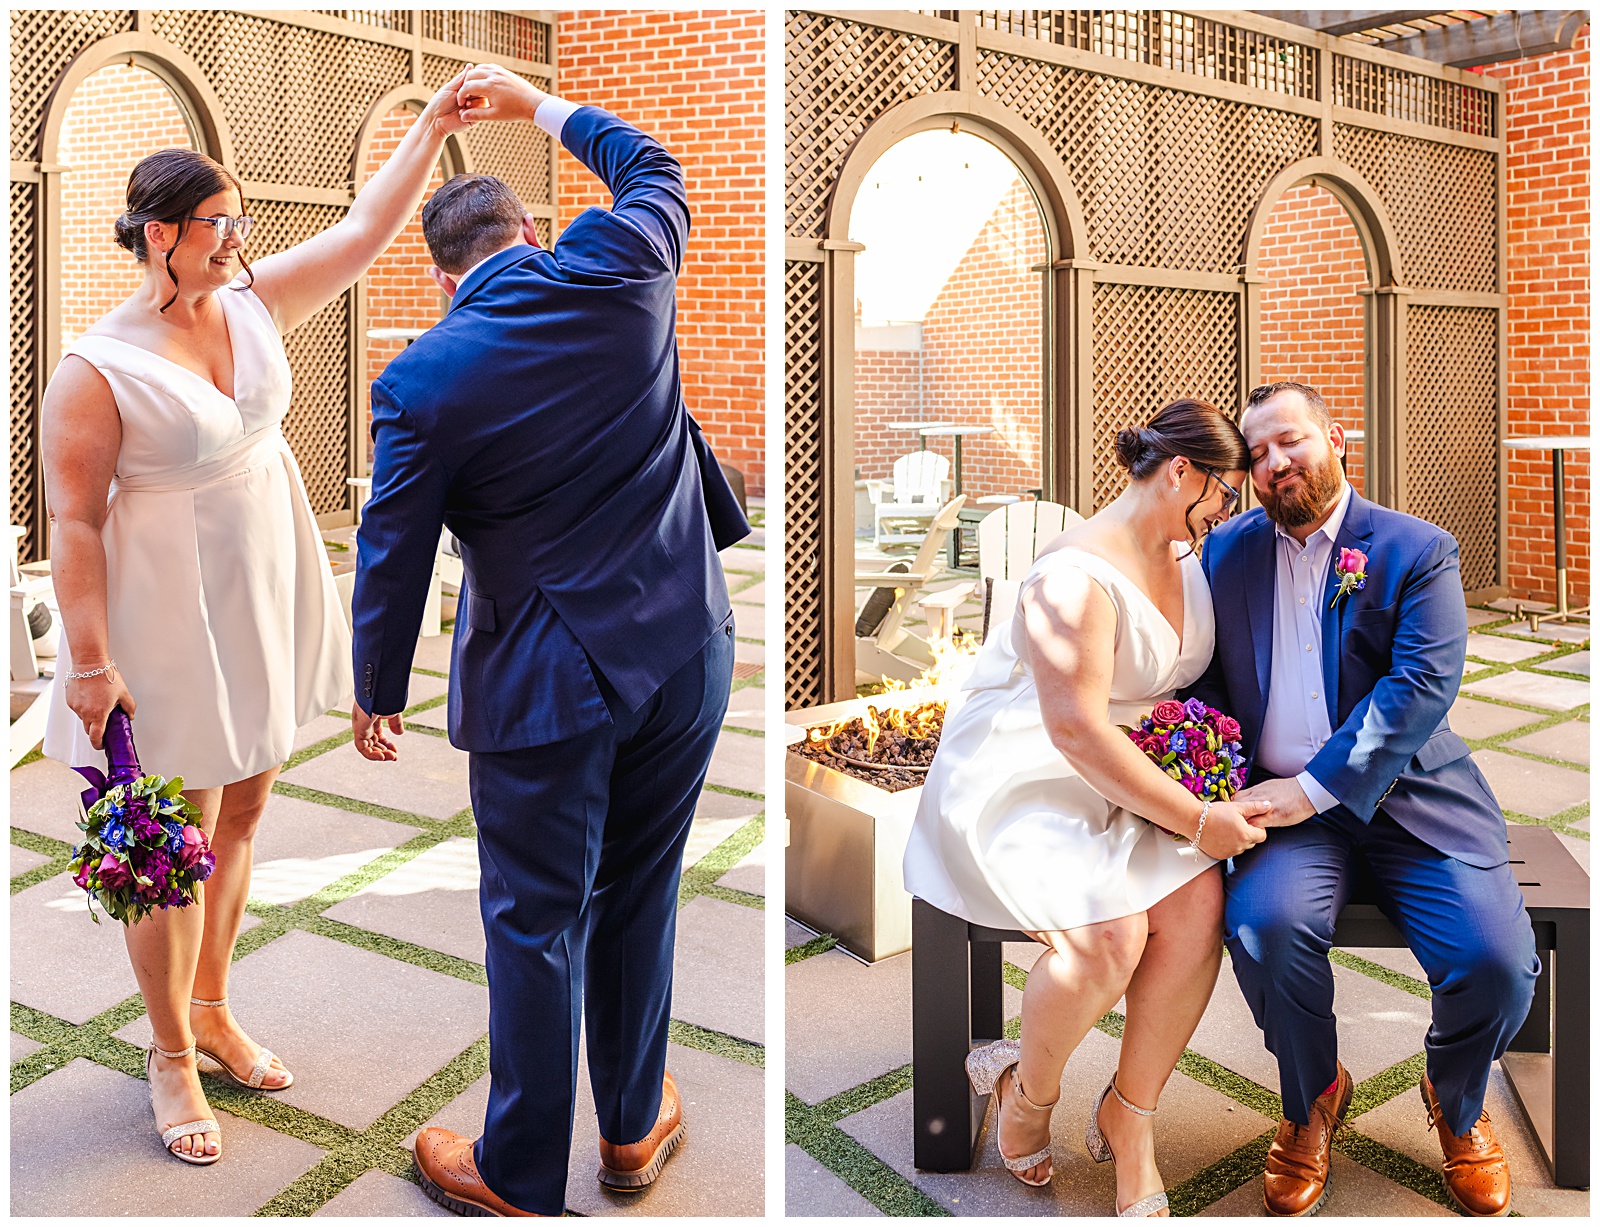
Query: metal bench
957, 1004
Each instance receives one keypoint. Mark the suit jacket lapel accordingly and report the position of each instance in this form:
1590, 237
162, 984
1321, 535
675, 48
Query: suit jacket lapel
1260, 560
1356, 533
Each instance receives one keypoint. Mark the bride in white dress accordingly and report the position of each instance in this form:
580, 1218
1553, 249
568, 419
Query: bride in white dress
1030, 815
190, 573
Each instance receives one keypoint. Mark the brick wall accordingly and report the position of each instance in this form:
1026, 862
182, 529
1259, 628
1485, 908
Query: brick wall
118, 116
1547, 276
400, 294
694, 81
1311, 313
981, 342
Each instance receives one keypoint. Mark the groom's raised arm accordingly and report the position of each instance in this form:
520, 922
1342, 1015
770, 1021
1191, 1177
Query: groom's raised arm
396, 547
645, 181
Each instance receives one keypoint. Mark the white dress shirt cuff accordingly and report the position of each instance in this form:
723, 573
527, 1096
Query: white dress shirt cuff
1319, 796
552, 114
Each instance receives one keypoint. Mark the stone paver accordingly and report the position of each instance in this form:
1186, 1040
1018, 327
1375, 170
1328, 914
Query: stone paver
24, 859
21, 1046
51, 930
433, 654
105, 1156
377, 1194
432, 782
342, 842
1570, 741
738, 762
1500, 650
812, 1191
795, 935
1537, 789
749, 621
432, 901
749, 653
747, 708
750, 874
44, 800
1475, 719
433, 718
1576, 662
1536, 690
1556, 632
832, 995
1353, 1190
320, 729
717, 979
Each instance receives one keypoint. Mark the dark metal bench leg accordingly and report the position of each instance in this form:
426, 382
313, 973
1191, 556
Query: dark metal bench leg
1570, 1054
988, 990
942, 1104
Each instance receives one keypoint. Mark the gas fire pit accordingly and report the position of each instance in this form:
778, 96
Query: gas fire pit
853, 776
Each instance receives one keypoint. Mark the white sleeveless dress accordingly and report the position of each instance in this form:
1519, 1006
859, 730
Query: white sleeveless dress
1007, 833
222, 613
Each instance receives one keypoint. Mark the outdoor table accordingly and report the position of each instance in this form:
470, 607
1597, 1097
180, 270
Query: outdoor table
1351, 436
942, 430
1555, 445
407, 335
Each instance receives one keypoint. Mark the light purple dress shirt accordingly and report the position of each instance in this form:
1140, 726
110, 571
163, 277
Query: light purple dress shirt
1295, 726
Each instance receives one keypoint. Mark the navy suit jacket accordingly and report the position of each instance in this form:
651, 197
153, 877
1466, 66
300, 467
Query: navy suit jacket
1392, 659
543, 422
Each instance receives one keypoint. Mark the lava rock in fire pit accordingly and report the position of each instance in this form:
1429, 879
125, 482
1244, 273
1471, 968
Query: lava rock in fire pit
892, 759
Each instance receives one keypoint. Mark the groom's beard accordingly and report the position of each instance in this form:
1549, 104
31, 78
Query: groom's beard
1312, 495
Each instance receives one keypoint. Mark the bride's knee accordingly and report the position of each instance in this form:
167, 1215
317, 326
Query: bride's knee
1110, 951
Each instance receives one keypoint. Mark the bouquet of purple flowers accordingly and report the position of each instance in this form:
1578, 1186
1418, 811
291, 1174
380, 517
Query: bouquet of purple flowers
1195, 744
144, 847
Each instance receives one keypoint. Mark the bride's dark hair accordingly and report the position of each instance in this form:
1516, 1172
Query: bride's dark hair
1191, 428
168, 186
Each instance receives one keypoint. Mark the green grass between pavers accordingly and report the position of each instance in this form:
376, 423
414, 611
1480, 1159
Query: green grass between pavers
854, 1164
1385, 975
810, 949
350, 1153
745, 683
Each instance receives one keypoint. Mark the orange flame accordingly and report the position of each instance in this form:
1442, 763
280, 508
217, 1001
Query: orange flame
917, 715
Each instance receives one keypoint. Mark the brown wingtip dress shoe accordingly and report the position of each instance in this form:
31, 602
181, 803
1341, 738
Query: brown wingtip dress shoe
450, 1177
633, 1167
1476, 1174
1296, 1183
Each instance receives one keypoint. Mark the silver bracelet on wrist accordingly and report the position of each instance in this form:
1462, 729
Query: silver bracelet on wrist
110, 667
1194, 840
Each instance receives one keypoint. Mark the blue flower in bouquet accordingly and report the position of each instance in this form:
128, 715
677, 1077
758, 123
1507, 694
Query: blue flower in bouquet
174, 832
1177, 742
115, 835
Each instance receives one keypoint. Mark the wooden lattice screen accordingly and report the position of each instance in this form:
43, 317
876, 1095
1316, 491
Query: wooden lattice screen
285, 99
1159, 140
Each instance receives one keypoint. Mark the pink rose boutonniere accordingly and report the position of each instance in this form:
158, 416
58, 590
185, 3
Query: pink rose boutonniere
1352, 571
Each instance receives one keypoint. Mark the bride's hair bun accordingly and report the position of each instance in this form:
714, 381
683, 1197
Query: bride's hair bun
130, 234
1131, 447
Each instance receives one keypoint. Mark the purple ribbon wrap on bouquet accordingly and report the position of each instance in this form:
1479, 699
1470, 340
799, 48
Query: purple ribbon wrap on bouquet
122, 760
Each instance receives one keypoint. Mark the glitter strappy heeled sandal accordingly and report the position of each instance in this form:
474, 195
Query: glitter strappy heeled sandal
985, 1067
1100, 1150
209, 1063
188, 1128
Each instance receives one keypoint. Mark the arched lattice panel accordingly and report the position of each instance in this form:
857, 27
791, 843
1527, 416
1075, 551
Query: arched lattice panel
1152, 345
25, 493
805, 458
1452, 434
273, 79
1441, 199
43, 43
1166, 178
839, 75
502, 149
317, 426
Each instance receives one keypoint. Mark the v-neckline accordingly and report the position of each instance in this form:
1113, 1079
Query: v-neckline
1181, 632
233, 356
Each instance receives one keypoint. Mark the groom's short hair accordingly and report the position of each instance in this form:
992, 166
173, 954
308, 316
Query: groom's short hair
469, 218
1314, 402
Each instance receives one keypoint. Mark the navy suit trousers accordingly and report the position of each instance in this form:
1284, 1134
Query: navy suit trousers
580, 844
1467, 927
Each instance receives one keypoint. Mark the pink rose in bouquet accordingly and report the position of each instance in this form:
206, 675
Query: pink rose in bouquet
1196, 745
1228, 729
1169, 711
114, 874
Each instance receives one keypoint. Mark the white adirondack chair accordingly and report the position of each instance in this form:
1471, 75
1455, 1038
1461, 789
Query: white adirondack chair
920, 486
892, 649
1009, 539
30, 683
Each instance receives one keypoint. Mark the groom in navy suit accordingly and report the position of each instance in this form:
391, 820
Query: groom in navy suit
1343, 692
542, 421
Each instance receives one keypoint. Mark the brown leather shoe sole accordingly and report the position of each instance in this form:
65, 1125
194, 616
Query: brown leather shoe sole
1309, 1210
642, 1178
467, 1209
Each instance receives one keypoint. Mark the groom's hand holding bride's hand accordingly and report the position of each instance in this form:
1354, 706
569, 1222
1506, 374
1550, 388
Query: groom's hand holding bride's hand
488, 92
369, 739
1289, 803
1233, 827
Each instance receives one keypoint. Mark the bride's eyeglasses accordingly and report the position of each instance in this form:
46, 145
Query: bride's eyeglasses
227, 227
1231, 499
